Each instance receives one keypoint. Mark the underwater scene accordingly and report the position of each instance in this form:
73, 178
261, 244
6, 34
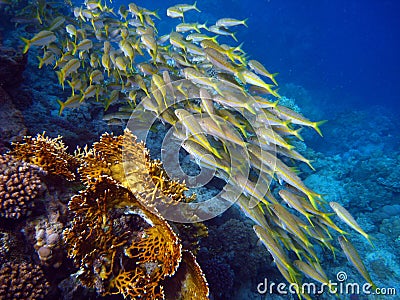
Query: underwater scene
199, 150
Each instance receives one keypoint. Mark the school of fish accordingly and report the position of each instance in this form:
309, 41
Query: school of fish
223, 106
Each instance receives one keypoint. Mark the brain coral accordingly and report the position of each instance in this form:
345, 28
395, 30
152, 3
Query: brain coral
19, 185
22, 281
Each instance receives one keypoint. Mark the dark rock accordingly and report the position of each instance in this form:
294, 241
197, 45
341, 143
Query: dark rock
12, 126
12, 65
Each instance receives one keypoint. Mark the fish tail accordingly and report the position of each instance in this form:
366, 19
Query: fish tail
275, 103
308, 162
313, 199
369, 238
27, 44
273, 78
195, 6
309, 219
250, 108
60, 76
245, 22
41, 62
74, 50
156, 14
296, 133
316, 125
72, 88
275, 93
204, 26
239, 48
62, 106
233, 35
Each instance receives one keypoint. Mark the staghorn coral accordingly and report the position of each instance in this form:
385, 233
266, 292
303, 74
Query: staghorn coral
47, 153
22, 281
19, 186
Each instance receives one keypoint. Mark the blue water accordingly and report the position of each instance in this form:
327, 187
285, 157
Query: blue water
348, 50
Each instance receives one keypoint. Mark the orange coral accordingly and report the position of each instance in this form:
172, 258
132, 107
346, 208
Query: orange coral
128, 162
118, 239
136, 284
158, 245
189, 281
49, 154
98, 240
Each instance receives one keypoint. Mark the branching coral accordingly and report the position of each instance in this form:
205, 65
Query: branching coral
47, 153
119, 242
123, 159
19, 185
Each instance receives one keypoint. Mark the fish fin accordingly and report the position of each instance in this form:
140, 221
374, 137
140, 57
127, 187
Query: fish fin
297, 134
275, 103
245, 22
62, 106
273, 78
233, 35
60, 77
369, 238
27, 44
308, 162
41, 62
316, 125
195, 6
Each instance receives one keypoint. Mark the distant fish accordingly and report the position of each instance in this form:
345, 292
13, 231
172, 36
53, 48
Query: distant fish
346, 217
228, 22
353, 257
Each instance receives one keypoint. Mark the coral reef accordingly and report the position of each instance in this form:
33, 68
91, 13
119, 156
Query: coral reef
22, 281
20, 184
113, 233
223, 259
132, 248
47, 153
48, 243
116, 236
104, 234
199, 87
